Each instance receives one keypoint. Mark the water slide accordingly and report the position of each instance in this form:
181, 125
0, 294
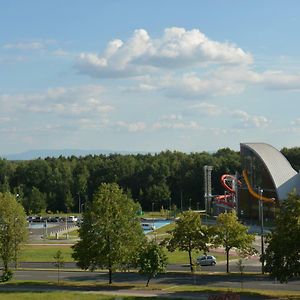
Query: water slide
253, 193
228, 183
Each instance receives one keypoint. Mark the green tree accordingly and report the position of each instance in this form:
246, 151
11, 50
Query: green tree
35, 202
152, 260
282, 254
59, 263
188, 235
111, 233
230, 233
13, 230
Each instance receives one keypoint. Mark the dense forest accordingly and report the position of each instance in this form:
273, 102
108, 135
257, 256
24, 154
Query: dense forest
154, 180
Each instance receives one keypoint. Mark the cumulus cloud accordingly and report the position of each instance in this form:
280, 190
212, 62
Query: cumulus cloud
278, 80
61, 100
207, 109
250, 121
191, 85
174, 121
131, 127
176, 48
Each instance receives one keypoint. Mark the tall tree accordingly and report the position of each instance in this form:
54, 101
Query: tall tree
152, 260
13, 230
188, 235
111, 233
283, 252
230, 233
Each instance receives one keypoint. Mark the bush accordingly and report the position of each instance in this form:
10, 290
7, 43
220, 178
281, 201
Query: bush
6, 276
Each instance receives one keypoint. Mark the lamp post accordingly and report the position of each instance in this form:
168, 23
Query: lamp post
79, 203
190, 206
261, 210
181, 206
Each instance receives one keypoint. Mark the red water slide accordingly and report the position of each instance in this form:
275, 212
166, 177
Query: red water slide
228, 182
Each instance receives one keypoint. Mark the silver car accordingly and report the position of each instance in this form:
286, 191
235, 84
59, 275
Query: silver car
206, 260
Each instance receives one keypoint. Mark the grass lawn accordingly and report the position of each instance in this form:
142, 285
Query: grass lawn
62, 296
93, 291
45, 253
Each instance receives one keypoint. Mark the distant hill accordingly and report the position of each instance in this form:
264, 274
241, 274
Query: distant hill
34, 154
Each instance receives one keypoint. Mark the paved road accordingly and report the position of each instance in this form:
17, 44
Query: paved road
251, 265
170, 278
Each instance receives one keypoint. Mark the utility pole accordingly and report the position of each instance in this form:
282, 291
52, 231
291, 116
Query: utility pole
261, 210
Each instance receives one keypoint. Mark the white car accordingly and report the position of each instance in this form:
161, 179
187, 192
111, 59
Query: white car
206, 260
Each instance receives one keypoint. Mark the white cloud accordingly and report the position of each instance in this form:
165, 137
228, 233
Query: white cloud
250, 121
28, 45
177, 48
191, 85
207, 109
131, 127
278, 80
68, 101
174, 121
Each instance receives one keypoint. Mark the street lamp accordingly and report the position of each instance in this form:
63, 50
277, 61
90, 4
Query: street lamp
261, 210
79, 203
190, 207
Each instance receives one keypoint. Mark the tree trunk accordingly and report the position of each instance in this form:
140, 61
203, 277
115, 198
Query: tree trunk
190, 258
148, 281
227, 260
110, 275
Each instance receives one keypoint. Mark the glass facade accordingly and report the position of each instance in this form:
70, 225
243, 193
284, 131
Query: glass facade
259, 178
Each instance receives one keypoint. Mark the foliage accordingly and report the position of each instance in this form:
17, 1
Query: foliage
282, 255
59, 263
110, 233
13, 230
150, 178
35, 202
188, 235
152, 260
230, 233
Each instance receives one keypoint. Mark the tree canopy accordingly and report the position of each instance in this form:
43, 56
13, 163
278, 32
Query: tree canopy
152, 260
282, 255
230, 233
110, 234
188, 235
13, 230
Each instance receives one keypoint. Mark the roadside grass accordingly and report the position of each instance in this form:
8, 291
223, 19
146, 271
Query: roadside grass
64, 296
93, 291
45, 253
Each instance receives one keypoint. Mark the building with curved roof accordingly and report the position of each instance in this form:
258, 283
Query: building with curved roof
268, 172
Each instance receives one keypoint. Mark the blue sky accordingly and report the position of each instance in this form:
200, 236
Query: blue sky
148, 75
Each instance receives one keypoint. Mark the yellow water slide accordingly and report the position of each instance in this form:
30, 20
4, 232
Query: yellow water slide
253, 193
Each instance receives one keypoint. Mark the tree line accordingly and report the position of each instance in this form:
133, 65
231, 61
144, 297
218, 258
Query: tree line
153, 180
159, 180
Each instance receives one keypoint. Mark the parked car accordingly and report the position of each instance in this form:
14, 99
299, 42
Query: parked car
72, 219
206, 260
148, 226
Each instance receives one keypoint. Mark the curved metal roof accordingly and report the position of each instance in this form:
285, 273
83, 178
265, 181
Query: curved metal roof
285, 178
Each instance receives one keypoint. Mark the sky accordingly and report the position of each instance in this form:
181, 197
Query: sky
148, 76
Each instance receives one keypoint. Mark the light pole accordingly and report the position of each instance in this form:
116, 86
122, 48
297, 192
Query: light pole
261, 210
79, 203
181, 208
190, 207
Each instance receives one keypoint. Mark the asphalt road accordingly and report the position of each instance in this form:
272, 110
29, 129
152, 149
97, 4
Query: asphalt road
170, 278
250, 265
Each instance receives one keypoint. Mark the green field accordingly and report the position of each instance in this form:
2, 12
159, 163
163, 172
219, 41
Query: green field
45, 253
